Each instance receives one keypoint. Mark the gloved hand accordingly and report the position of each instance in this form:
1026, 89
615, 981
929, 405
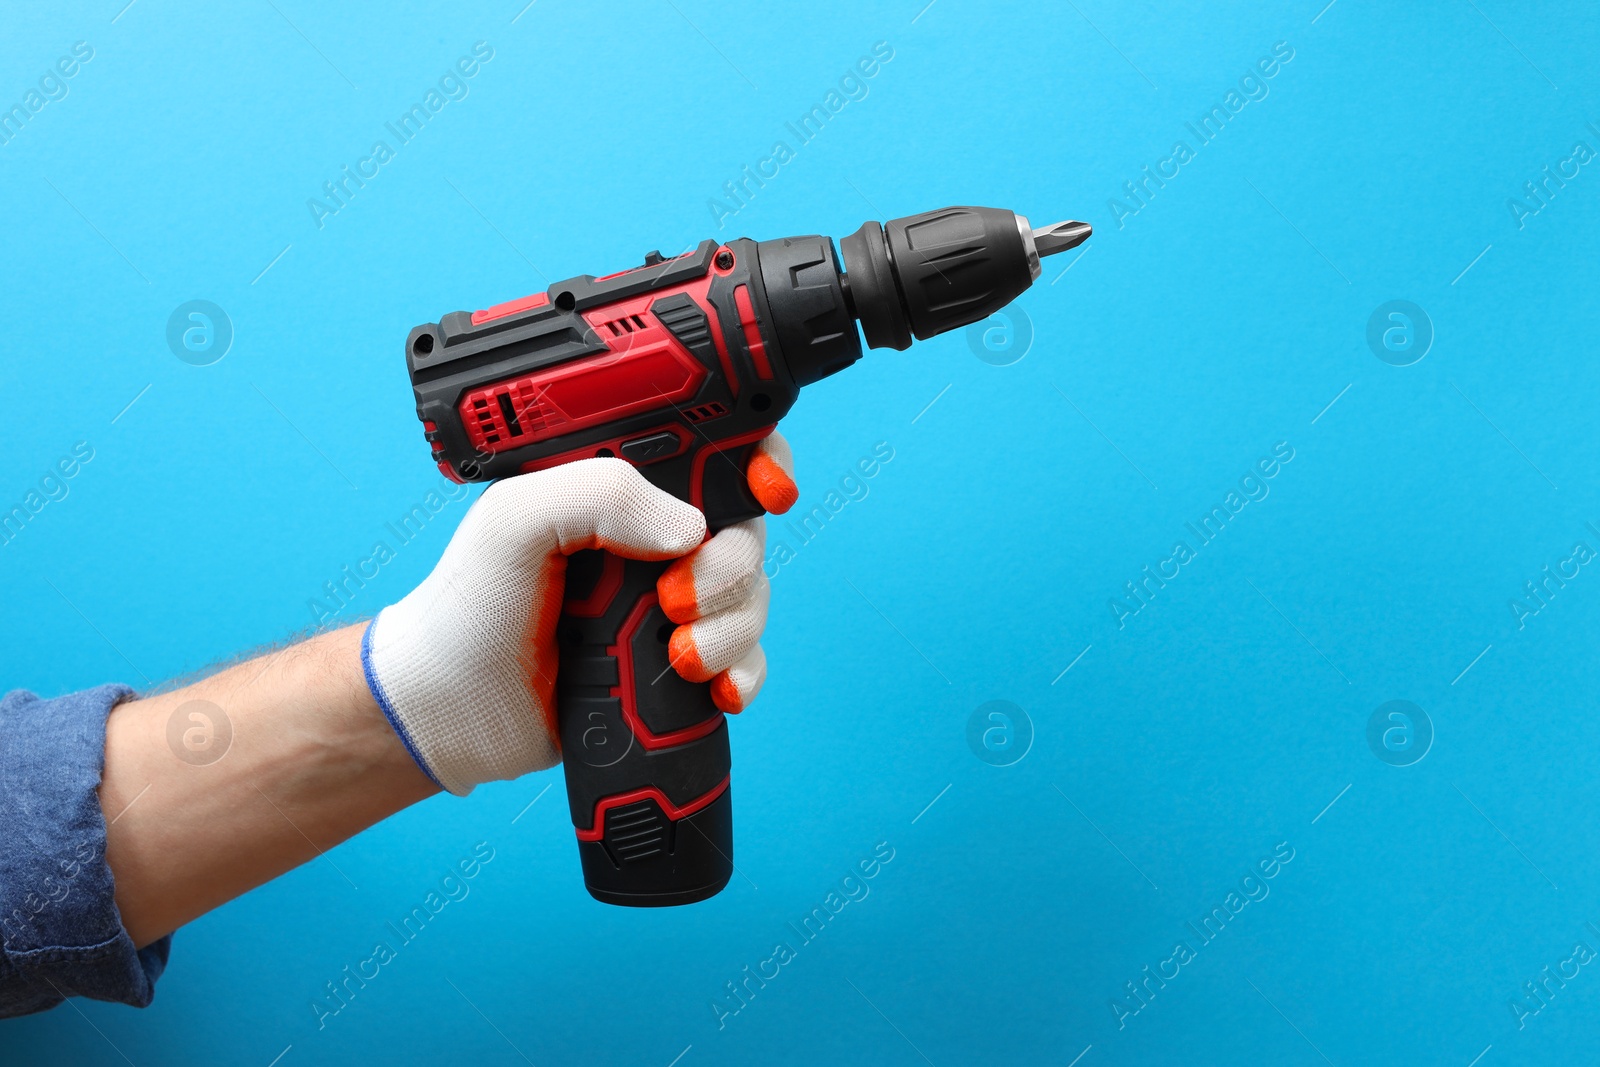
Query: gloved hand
465, 665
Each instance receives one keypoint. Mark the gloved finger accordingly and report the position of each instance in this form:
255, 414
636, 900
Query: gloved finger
592, 503
770, 474
715, 576
734, 689
705, 648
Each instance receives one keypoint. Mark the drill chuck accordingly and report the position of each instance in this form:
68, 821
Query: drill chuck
917, 276
927, 274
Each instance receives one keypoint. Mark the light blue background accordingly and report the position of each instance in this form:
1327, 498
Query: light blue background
1177, 752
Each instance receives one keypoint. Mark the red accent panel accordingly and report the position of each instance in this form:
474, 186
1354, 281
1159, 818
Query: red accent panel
623, 652
595, 604
450, 472
649, 792
646, 369
510, 307
697, 472
752, 332
697, 290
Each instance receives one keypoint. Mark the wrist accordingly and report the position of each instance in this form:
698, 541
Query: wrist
296, 757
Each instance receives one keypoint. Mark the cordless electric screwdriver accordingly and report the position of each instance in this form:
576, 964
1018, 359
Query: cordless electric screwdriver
680, 366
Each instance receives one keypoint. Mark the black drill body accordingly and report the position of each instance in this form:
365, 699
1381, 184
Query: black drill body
680, 366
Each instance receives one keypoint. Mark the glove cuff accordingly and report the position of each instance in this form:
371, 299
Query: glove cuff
466, 718
382, 697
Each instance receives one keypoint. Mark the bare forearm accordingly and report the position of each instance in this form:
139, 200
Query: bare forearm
196, 817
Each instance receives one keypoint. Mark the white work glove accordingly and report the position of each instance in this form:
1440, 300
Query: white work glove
465, 665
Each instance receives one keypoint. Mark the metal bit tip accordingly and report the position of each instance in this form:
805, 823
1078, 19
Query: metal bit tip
1058, 238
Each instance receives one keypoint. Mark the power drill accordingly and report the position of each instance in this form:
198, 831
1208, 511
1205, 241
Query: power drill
680, 366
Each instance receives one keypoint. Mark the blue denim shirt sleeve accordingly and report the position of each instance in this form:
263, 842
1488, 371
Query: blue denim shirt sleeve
60, 932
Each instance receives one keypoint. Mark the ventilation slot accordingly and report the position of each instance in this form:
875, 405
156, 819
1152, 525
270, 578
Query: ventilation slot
491, 432
511, 415
705, 411
626, 324
506, 416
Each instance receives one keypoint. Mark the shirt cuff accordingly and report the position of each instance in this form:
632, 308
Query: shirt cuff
60, 932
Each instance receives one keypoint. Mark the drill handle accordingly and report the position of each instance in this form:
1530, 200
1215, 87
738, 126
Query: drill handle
645, 752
